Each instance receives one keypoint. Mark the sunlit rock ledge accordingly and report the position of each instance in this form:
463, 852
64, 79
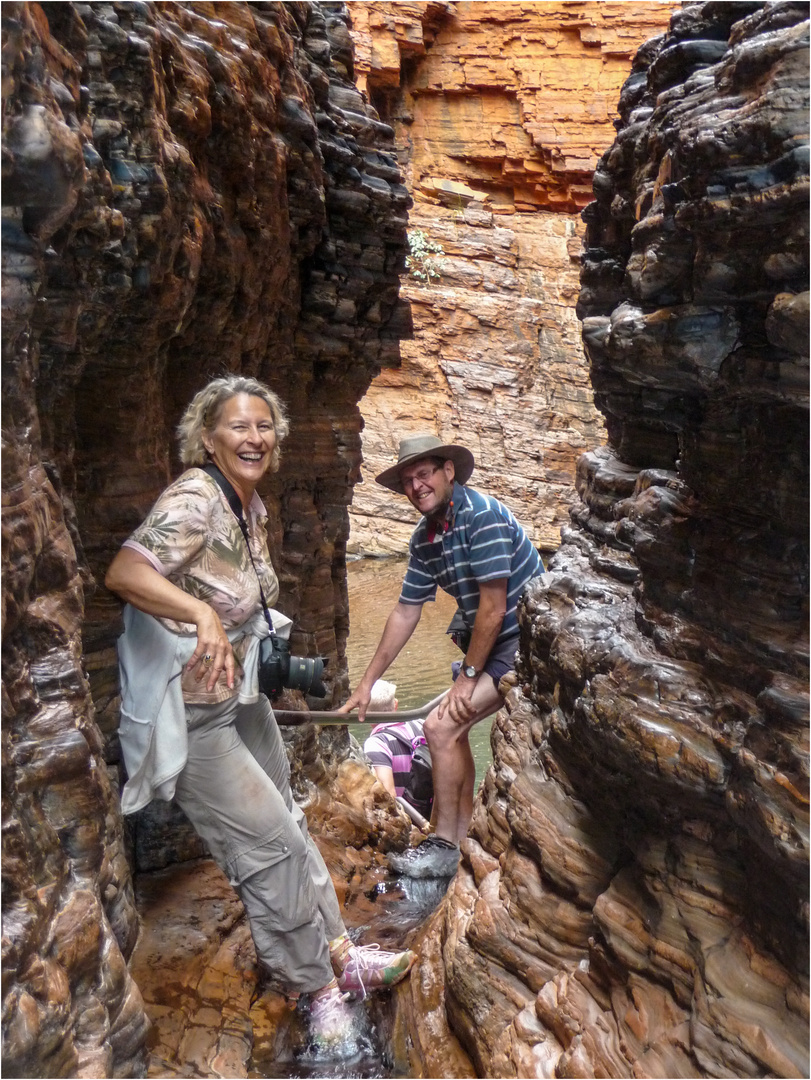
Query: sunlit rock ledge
633, 898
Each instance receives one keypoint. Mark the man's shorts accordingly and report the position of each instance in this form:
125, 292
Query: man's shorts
498, 663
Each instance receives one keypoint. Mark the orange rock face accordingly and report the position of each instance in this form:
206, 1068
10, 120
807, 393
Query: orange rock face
500, 113
514, 99
495, 363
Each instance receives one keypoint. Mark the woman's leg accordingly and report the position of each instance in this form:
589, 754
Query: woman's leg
253, 835
258, 729
360, 968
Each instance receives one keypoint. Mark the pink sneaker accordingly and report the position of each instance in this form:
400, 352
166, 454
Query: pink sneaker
369, 967
331, 1029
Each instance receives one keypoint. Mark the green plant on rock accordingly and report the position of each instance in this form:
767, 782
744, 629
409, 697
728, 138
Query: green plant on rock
423, 263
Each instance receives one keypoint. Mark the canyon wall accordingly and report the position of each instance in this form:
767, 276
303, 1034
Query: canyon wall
633, 896
500, 113
188, 189
196, 188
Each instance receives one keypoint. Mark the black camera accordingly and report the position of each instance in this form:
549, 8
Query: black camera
279, 670
460, 630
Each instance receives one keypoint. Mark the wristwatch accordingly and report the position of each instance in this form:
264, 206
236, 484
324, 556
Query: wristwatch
471, 672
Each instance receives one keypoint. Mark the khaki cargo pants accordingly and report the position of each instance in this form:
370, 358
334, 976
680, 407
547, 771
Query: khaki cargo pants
235, 790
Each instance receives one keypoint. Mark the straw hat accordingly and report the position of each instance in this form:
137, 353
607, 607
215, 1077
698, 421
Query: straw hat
420, 446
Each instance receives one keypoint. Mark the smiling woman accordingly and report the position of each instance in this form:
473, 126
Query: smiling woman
203, 415
241, 444
193, 723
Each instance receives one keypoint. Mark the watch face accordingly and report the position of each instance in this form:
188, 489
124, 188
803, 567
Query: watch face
471, 672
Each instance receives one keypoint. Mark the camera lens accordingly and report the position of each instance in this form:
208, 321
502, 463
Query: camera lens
305, 675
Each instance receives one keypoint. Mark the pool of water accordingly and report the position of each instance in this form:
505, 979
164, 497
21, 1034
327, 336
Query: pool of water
423, 668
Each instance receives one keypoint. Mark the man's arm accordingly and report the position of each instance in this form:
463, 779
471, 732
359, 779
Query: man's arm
386, 777
399, 627
486, 628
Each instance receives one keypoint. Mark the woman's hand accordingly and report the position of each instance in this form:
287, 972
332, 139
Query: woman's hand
213, 653
137, 581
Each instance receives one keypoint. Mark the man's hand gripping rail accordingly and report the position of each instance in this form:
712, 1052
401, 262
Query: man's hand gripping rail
289, 718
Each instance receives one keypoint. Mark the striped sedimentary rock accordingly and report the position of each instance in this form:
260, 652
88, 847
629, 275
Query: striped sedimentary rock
633, 899
187, 189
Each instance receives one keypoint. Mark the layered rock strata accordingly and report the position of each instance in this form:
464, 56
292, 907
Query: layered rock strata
490, 366
500, 112
516, 99
633, 897
188, 189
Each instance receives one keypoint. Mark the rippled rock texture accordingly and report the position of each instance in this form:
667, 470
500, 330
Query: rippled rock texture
187, 189
500, 112
633, 899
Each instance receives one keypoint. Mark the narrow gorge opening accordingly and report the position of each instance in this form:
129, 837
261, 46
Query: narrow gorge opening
617, 329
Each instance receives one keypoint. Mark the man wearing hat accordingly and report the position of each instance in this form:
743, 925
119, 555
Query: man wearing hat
470, 545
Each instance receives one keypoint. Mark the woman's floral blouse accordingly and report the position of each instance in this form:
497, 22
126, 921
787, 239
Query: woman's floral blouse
192, 537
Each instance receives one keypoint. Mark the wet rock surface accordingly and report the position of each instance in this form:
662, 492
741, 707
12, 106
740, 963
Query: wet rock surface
188, 189
633, 898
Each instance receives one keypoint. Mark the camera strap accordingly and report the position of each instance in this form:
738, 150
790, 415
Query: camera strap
235, 503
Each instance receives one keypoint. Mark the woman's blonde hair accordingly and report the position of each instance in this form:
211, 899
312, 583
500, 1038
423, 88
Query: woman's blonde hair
203, 414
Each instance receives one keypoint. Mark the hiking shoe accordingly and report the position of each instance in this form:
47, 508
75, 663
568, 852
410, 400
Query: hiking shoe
331, 1027
369, 967
433, 858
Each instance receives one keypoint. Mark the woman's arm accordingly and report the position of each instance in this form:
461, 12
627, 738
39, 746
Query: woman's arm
135, 580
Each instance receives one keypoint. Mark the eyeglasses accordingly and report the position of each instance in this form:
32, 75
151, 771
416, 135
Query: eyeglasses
424, 475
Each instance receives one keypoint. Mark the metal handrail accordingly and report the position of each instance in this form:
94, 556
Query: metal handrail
290, 718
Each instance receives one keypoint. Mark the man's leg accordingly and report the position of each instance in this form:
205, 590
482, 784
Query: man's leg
468, 788
452, 760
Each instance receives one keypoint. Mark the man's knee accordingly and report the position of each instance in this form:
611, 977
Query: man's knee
441, 732
433, 728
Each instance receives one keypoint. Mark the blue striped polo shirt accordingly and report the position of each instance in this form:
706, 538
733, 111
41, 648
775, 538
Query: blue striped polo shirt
483, 543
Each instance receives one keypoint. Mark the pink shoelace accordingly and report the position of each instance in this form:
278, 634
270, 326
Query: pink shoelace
364, 959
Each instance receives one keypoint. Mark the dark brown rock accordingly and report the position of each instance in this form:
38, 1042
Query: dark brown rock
648, 800
187, 191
